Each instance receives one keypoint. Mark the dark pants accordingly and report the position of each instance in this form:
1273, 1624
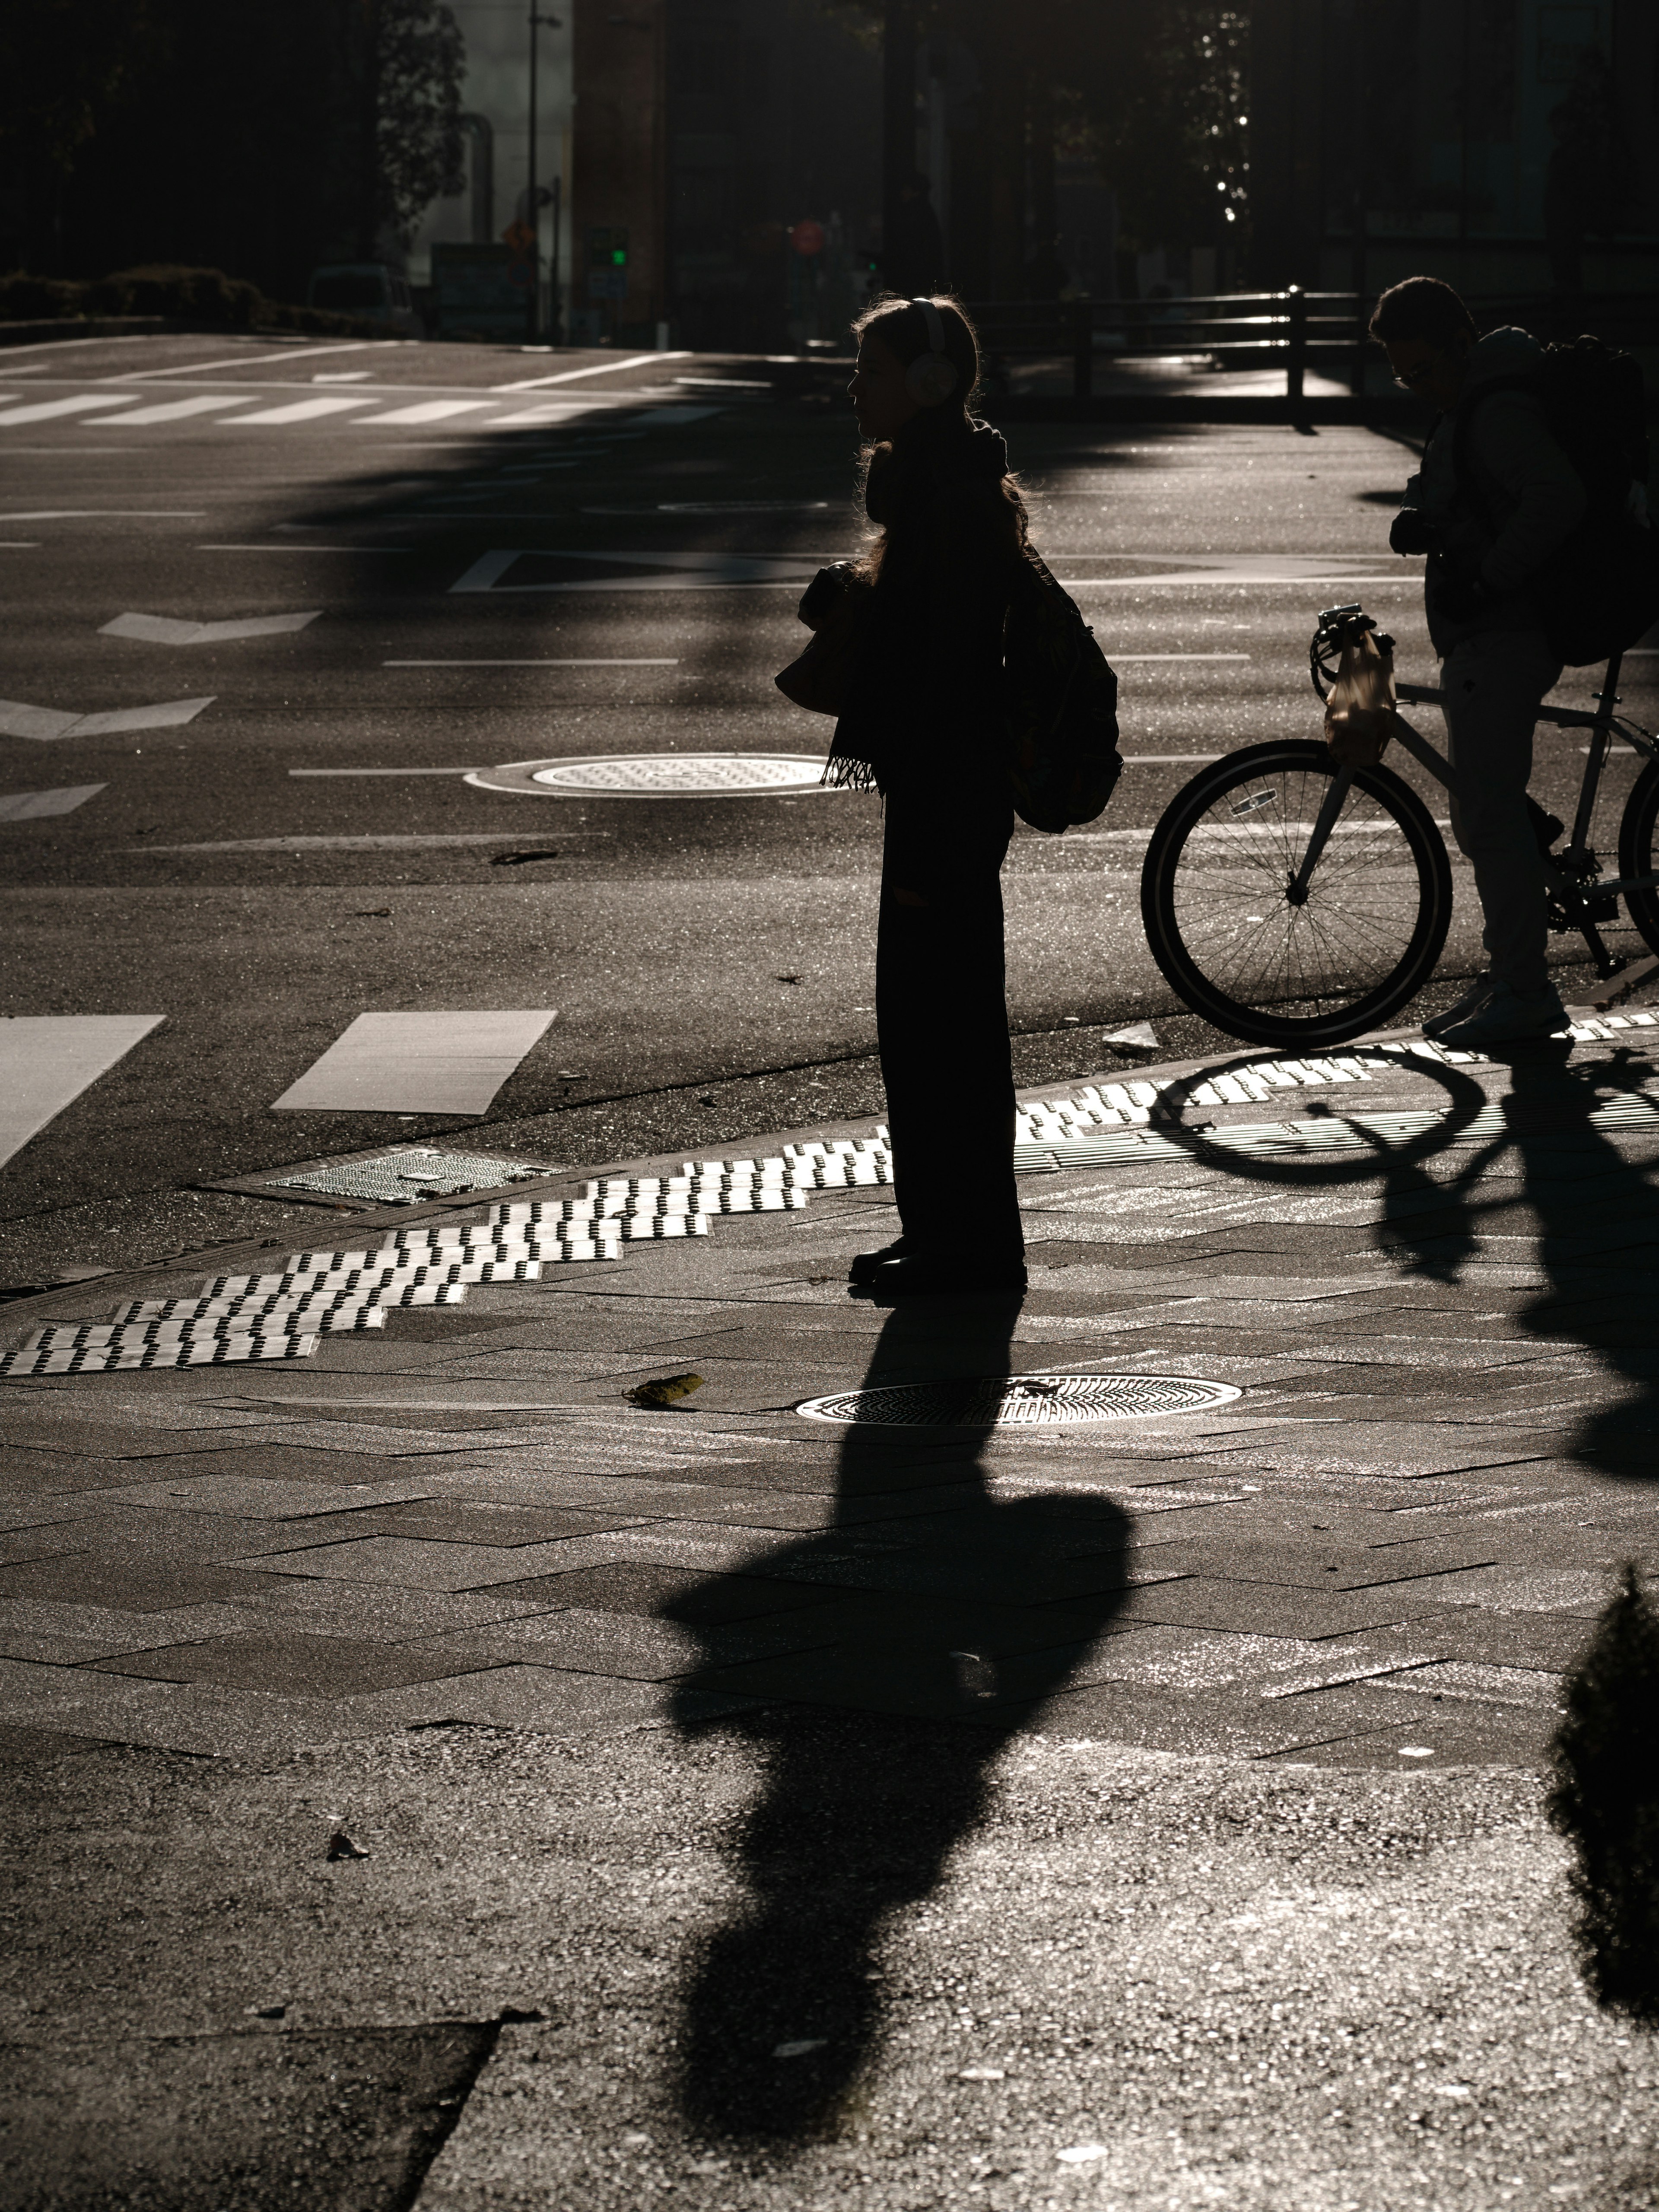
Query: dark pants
942, 1022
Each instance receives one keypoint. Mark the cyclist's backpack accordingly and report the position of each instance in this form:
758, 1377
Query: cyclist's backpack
1059, 704
1599, 589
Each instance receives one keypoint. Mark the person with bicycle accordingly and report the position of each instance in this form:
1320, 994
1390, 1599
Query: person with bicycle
1487, 532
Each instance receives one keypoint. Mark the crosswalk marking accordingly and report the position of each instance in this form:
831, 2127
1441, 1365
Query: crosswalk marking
428, 410
303, 411
46, 1061
43, 409
45, 723
171, 410
162, 630
31, 805
406, 1063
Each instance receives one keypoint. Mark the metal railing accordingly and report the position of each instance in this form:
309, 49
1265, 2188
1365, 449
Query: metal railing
1290, 331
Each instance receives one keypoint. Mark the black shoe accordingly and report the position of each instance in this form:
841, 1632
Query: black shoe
917, 1275
866, 1264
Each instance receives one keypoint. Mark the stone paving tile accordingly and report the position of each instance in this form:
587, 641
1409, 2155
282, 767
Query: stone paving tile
630, 1646
419, 1563
122, 1584
1265, 1609
255, 1497
675, 1592
544, 1700
22, 1746
288, 1662
383, 1610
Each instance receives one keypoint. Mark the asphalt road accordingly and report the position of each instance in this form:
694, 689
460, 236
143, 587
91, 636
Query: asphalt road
303, 848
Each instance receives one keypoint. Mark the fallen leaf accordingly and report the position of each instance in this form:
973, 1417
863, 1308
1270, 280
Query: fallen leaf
665, 1389
340, 1846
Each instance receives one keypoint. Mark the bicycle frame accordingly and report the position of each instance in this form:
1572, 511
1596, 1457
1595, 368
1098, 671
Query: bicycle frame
1575, 892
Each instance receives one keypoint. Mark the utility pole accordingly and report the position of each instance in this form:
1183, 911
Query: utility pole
898, 115
533, 201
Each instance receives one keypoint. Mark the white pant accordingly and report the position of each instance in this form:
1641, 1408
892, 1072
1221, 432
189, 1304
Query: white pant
1493, 684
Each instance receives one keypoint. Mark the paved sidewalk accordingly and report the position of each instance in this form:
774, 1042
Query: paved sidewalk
454, 1549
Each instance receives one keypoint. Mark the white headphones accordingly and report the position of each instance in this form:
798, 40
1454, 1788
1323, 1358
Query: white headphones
931, 376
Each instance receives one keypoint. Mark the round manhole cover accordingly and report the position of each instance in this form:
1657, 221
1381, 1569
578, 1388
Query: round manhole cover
654, 775
996, 1402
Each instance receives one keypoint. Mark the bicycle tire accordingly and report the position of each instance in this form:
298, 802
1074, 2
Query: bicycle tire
1364, 943
1635, 835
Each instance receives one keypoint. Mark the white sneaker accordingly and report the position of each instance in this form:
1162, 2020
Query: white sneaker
1460, 1010
1509, 1016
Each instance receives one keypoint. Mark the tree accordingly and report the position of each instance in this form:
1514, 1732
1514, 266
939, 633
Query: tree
65, 65
420, 61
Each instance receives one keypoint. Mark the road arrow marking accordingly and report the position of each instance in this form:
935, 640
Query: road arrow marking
162, 630
17, 720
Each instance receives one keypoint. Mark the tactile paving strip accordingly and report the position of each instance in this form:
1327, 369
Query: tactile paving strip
281, 1313
997, 1401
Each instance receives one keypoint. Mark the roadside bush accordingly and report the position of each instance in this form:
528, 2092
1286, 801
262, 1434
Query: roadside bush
204, 298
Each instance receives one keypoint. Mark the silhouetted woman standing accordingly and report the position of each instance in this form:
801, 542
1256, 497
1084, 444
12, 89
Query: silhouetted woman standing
922, 724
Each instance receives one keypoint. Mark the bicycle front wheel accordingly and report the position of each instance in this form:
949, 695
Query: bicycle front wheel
1637, 841
1215, 896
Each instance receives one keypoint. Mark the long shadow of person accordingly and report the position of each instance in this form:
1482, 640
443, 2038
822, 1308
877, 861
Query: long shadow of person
960, 1612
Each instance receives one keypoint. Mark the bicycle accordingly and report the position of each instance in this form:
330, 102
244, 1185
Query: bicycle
1293, 901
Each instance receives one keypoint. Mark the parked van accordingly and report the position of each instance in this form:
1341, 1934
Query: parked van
368, 290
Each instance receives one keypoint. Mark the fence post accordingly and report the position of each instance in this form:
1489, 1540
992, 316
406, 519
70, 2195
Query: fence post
1296, 355
1083, 348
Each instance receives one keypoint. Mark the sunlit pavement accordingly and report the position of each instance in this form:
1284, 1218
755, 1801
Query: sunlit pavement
1140, 1813
268, 603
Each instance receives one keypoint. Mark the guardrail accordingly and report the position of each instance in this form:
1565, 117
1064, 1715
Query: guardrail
1292, 331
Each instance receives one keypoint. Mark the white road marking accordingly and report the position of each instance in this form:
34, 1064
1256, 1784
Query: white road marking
1118, 658
342, 376
19, 545
697, 570
550, 416
303, 411
305, 549
31, 805
530, 664
45, 723
1237, 582
428, 410
162, 630
106, 513
44, 409
174, 410
727, 383
599, 369
48, 1060
253, 360
404, 1063
716, 506
1164, 760
366, 842
380, 771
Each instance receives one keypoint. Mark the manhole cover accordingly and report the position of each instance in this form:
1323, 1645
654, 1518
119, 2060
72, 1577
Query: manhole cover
406, 1178
653, 775
1019, 1400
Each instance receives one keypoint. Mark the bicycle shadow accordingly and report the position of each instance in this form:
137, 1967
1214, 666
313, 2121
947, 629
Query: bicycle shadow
1587, 1206
875, 1753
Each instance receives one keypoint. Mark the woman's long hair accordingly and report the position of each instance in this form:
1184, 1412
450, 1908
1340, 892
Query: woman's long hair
933, 490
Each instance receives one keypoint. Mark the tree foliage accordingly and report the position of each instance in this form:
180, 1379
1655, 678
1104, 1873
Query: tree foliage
420, 61
65, 65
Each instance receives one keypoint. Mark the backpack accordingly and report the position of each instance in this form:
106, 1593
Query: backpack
1060, 706
1599, 589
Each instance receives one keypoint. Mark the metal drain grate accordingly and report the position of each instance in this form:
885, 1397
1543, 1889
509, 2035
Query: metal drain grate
998, 1402
405, 1178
